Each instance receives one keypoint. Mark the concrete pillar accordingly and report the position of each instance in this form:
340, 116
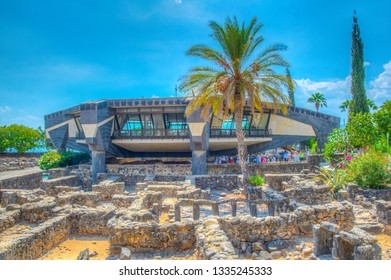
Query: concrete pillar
215, 209
199, 166
177, 210
234, 207
253, 209
196, 212
98, 164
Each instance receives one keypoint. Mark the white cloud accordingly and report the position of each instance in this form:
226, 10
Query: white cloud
4, 109
334, 91
178, 1
381, 86
366, 63
337, 91
155, 96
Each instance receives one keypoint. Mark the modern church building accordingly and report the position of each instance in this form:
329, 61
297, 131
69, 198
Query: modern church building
158, 127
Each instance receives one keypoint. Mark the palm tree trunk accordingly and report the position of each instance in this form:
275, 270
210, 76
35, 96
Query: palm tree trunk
317, 106
242, 148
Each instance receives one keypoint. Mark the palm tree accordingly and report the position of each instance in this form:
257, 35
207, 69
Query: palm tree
235, 72
345, 105
371, 104
318, 99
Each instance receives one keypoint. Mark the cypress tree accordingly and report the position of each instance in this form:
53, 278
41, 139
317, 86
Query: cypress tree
291, 91
359, 97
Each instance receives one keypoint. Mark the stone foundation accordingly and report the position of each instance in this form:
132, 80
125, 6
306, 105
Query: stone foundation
70, 181
144, 237
383, 211
32, 244
354, 190
355, 244
29, 181
285, 226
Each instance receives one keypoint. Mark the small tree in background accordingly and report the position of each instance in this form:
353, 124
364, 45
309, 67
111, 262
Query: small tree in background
318, 99
383, 118
19, 137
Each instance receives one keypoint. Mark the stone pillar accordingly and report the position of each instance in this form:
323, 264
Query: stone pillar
271, 208
253, 209
155, 209
215, 209
98, 164
177, 210
196, 212
234, 207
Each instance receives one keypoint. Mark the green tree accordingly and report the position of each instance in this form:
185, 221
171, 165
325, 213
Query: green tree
22, 138
235, 72
337, 142
345, 106
361, 130
318, 99
4, 141
347, 103
383, 118
371, 104
359, 97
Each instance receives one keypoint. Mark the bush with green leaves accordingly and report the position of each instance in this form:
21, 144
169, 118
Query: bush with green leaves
50, 160
257, 180
372, 170
334, 177
54, 159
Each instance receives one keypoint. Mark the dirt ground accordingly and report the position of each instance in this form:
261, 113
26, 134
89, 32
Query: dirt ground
70, 248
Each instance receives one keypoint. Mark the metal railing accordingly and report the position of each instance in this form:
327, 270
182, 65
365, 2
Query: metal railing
230, 133
152, 134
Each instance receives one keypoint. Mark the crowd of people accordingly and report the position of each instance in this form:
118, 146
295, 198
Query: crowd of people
273, 156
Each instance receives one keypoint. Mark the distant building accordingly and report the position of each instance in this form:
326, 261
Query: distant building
157, 127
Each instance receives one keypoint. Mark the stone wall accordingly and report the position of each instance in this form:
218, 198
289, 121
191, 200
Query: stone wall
383, 211
91, 221
70, 181
30, 180
150, 169
247, 230
311, 195
179, 236
353, 190
212, 242
129, 180
185, 169
9, 219
32, 244
260, 168
16, 163
227, 182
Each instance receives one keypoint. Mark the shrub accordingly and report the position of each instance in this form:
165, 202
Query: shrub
370, 170
257, 180
50, 160
53, 159
73, 158
333, 177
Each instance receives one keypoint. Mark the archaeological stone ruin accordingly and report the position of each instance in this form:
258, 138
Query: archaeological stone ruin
161, 211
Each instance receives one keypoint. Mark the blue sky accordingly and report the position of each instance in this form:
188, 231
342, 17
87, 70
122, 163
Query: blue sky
56, 54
